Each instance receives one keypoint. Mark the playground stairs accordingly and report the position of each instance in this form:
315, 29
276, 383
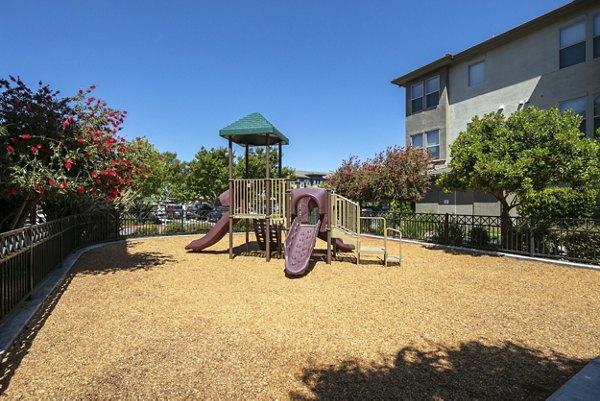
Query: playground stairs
349, 237
260, 230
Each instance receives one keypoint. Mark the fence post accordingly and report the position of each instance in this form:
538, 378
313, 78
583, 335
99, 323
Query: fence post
62, 243
531, 241
182, 217
447, 228
30, 261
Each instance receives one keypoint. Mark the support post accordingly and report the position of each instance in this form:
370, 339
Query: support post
231, 198
246, 211
268, 200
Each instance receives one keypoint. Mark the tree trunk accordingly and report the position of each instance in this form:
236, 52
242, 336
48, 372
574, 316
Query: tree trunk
505, 222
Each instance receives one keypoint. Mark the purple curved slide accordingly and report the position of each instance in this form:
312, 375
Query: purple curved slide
299, 245
217, 232
341, 245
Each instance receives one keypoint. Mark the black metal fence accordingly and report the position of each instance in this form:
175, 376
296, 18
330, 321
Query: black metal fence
28, 254
576, 240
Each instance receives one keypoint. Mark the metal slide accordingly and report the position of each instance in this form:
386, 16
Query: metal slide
299, 245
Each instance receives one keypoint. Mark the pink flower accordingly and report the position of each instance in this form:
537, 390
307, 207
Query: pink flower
80, 190
34, 149
10, 149
51, 181
80, 139
25, 136
68, 164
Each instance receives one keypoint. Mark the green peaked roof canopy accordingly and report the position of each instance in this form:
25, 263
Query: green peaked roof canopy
253, 130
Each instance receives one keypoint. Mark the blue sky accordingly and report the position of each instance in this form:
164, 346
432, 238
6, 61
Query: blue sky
320, 71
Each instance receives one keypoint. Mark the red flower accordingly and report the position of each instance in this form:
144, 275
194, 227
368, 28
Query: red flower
65, 123
10, 149
80, 190
51, 181
39, 146
68, 164
25, 136
80, 139
34, 149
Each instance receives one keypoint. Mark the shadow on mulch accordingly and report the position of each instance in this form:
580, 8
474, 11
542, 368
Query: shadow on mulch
473, 371
463, 251
15, 354
118, 257
105, 260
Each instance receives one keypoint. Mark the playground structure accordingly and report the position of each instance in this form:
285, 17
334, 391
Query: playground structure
273, 207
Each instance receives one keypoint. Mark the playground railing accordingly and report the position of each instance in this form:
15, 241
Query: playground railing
248, 198
344, 213
576, 240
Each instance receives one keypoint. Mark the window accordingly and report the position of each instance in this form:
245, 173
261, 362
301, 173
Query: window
596, 35
578, 107
417, 141
476, 73
433, 143
430, 140
432, 91
597, 116
416, 97
425, 94
572, 44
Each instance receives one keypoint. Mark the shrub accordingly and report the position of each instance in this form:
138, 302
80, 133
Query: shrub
583, 245
479, 236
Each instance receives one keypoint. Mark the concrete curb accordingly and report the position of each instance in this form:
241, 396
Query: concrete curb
584, 386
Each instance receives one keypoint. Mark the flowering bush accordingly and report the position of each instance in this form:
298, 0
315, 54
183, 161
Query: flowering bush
395, 175
61, 146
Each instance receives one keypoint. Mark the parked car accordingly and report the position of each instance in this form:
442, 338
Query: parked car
200, 212
215, 214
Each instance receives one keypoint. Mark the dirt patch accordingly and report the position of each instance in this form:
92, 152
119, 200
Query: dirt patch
148, 320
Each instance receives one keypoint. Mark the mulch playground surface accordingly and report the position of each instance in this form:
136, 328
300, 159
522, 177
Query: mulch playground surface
146, 319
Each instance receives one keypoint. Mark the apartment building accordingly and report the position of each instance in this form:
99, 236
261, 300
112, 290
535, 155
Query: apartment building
550, 61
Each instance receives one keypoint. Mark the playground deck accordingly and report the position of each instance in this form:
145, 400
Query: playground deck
148, 320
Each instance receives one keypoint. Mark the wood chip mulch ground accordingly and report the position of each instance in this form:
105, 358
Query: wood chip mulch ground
146, 319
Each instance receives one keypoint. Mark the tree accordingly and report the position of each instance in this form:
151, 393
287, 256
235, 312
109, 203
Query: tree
51, 146
209, 174
396, 175
257, 165
516, 157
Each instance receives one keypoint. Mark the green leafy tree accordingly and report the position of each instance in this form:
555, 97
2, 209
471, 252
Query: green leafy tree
209, 174
257, 165
519, 157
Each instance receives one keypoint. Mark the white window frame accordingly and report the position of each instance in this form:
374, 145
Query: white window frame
426, 145
422, 140
437, 145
